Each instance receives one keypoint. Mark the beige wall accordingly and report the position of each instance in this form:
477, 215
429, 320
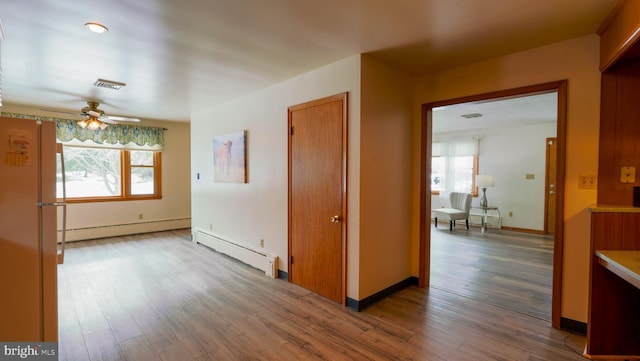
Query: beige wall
104, 219
379, 169
577, 61
247, 213
385, 171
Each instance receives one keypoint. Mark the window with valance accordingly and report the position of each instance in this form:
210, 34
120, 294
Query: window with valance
123, 134
121, 162
117, 135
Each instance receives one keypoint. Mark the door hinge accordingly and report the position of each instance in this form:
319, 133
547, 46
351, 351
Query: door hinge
291, 129
291, 259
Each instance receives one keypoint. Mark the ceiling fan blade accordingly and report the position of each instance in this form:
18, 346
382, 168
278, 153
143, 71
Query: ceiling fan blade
62, 112
93, 113
122, 119
107, 120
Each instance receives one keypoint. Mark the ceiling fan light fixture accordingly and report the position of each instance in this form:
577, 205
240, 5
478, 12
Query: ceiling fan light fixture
92, 123
96, 27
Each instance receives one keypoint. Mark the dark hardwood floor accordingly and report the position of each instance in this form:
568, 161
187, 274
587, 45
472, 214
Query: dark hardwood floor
508, 269
161, 297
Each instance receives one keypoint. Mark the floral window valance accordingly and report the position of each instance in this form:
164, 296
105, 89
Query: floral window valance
69, 130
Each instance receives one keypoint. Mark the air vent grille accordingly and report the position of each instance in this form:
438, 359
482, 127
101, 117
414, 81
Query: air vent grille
110, 84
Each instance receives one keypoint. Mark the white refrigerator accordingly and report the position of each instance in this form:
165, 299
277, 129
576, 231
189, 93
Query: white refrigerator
28, 231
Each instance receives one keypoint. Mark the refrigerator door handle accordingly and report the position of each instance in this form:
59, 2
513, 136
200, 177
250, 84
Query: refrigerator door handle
53, 204
63, 204
63, 240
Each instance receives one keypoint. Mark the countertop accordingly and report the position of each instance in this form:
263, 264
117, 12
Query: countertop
610, 208
625, 264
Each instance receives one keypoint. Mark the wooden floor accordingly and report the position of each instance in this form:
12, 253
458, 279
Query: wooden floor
508, 269
161, 297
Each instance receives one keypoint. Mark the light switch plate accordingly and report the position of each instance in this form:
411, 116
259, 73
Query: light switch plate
628, 174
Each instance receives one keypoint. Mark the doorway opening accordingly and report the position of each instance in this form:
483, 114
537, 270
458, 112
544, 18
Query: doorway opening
430, 130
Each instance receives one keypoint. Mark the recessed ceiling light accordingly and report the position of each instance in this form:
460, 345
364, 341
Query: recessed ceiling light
96, 27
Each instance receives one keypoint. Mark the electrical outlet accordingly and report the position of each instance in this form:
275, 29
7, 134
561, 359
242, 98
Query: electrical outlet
510, 214
262, 243
588, 181
529, 176
628, 174
140, 216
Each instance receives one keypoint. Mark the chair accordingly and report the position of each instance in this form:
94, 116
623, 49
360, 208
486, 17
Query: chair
460, 204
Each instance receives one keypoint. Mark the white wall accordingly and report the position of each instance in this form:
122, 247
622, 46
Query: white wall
173, 211
247, 213
509, 154
576, 60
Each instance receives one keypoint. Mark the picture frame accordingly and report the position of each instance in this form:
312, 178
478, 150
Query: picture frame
229, 157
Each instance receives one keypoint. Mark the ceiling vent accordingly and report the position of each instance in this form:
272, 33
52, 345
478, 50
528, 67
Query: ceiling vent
471, 115
110, 84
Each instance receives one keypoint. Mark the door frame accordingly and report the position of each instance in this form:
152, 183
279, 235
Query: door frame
424, 266
345, 121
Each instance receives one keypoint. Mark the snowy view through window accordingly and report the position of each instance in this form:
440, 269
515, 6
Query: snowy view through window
97, 172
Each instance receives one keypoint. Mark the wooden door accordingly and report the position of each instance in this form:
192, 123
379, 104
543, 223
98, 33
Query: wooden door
550, 187
317, 197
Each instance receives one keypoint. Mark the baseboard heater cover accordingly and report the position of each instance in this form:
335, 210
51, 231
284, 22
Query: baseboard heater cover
114, 230
252, 257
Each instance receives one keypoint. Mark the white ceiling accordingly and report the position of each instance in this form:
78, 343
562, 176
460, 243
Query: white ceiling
497, 113
181, 56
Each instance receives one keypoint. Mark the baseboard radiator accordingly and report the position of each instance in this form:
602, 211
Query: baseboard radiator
252, 257
114, 230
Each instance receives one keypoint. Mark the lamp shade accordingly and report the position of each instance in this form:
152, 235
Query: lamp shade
484, 180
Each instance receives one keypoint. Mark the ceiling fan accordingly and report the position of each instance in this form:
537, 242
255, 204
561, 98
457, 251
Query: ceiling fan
96, 119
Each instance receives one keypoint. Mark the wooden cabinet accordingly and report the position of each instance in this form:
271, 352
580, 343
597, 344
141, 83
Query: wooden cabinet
619, 147
613, 331
619, 32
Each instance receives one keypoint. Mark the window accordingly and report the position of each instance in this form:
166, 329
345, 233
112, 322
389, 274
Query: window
454, 165
142, 172
106, 174
454, 174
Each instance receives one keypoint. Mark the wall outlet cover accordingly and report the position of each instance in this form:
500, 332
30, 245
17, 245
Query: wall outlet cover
628, 174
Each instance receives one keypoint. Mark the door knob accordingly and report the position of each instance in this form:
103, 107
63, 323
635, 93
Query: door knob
335, 219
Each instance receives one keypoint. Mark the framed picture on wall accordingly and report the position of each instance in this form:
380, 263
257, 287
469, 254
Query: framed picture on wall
229, 158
